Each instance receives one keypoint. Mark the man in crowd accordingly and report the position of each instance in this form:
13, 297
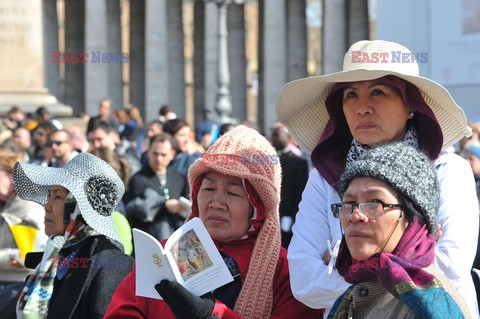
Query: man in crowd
104, 135
62, 149
105, 115
166, 113
152, 194
22, 138
41, 136
43, 115
14, 119
294, 179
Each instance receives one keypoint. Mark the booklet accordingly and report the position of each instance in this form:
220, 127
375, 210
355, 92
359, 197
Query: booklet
189, 257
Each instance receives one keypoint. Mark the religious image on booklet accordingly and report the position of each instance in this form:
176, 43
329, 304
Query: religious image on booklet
189, 257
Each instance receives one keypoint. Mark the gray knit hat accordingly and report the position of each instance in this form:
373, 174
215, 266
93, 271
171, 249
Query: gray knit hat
406, 169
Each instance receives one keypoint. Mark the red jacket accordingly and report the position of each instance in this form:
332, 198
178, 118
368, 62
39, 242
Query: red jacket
126, 304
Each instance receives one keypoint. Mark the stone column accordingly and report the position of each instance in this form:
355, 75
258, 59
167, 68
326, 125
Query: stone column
296, 40
156, 57
176, 57
334, 35
237, 60
211, 55
358, 27
199, 56
260, 71
74, 42
136, 58
274, 59
115, 79
22, 58
96, 43
50, 23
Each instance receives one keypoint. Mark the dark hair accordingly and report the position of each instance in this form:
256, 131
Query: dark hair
162, 138
14, 109
410, 208
173, 126
165, 109
101, 125
47, 126
156, 122
225, 128
41, 111
69, 207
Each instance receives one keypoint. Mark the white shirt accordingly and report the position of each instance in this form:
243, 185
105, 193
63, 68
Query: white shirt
315, 224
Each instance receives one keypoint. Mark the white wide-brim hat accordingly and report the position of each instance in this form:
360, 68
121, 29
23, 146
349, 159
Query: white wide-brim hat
95, 185
301, 103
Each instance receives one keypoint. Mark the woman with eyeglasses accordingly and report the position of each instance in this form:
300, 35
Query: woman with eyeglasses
390, 199
339, 116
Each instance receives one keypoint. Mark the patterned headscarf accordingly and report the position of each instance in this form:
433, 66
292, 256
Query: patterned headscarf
34, 300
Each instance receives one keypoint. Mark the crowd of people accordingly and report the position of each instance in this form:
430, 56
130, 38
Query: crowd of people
367, 207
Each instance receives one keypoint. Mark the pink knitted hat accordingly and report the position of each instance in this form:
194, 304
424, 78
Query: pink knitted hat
244, 153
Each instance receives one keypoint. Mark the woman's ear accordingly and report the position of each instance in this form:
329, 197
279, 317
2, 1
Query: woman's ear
411, 113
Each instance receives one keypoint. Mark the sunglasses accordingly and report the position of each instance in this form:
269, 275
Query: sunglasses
58, 143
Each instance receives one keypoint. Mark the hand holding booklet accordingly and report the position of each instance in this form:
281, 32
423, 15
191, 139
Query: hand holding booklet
189, 257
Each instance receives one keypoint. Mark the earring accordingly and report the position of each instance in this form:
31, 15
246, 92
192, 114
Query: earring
411, 114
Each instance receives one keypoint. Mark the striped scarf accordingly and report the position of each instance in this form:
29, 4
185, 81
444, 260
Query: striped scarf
35, 297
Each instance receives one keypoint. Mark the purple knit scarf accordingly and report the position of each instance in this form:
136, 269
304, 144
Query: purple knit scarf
414, 251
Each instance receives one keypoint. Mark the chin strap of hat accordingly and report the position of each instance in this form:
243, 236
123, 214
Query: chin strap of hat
391, 233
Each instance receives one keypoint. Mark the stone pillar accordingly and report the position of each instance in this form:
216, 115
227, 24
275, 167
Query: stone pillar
296, 40
96, 43
156, 57
22, 58
211, 55
274, 59
115, 78
136, 58
334, 31
50, 23
199, 58
358, 26
260, 71
74, 42
237, 60
176, 58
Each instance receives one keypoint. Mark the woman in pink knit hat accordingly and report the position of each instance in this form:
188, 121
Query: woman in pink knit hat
235, 191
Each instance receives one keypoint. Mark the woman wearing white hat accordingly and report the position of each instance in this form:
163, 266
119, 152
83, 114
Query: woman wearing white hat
377, 98
83, 262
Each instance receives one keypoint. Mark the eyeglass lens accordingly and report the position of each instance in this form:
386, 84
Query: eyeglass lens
370, 210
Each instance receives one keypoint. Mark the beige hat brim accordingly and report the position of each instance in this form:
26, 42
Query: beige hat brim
301, 105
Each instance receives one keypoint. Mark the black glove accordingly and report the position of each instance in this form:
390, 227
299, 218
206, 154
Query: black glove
183, 303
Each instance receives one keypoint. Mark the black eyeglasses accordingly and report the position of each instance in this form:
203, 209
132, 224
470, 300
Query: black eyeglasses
368, 209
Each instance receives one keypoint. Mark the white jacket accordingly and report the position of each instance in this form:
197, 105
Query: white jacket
315, 224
